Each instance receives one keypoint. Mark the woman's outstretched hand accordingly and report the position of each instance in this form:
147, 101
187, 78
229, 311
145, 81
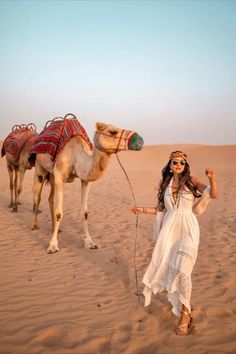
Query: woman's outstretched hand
210, 173
137, 210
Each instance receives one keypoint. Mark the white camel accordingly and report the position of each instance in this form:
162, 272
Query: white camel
77, 160
17, 166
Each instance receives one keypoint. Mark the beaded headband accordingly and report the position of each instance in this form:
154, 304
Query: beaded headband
178, 154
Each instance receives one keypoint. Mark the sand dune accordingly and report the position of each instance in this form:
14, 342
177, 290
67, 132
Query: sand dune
83, 301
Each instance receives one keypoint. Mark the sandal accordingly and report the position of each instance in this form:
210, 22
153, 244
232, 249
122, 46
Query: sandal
184, 329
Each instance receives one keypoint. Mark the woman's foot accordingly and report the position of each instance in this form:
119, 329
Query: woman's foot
182, 329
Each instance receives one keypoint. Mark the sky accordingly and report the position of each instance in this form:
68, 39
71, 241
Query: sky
166, 69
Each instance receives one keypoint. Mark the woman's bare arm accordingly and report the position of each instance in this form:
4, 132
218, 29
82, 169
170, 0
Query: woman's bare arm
212, 180
144, 210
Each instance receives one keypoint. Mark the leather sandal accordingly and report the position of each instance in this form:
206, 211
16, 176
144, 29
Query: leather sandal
184, 329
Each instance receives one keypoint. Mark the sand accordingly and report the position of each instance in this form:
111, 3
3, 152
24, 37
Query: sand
83, 301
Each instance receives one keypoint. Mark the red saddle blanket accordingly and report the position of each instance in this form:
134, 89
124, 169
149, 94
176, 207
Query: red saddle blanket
17, 140
54, 136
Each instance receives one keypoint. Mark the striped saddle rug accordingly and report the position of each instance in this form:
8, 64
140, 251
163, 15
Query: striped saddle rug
55, 135
17, 140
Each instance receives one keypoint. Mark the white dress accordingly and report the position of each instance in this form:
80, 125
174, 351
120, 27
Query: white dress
177, 238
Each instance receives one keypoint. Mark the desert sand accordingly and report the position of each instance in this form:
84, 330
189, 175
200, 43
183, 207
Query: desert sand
83, 301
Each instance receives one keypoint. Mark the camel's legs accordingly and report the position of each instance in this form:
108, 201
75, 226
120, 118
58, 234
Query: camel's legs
19, 188
59, 187
37, 190
85, 188
51, 200
15, 205
11, 176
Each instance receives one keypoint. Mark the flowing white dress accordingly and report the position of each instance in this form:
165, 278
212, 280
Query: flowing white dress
177, 238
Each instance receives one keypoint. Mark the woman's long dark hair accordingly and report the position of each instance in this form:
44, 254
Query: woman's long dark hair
184, 179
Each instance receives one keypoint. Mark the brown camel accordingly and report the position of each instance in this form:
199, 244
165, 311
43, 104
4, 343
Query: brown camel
16, 147
77, 160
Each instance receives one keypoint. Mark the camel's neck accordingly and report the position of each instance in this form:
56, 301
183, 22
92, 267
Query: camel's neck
99, 162
89, 166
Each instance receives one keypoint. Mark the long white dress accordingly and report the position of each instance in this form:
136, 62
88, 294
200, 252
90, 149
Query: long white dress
177, 238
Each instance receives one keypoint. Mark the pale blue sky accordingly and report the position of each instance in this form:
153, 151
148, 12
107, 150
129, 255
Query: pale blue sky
164, 68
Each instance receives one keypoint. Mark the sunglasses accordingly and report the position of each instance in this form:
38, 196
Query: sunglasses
176, 162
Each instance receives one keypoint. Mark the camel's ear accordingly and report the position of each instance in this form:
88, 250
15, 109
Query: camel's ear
101, 126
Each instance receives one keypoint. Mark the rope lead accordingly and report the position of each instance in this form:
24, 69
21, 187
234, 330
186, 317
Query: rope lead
136, 230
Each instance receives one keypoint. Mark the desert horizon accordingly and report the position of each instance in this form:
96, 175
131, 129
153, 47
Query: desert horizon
83, 301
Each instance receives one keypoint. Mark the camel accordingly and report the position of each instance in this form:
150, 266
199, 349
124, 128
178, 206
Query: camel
76, 160
16, 147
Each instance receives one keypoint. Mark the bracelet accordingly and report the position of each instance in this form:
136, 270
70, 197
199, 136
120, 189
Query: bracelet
143, 210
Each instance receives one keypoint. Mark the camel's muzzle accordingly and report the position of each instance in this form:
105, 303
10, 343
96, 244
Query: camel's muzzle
135, 142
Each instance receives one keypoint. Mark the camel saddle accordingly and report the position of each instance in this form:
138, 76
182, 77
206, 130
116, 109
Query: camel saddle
17, 140
55, 135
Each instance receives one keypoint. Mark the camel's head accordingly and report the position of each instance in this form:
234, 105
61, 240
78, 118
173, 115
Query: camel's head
111, 139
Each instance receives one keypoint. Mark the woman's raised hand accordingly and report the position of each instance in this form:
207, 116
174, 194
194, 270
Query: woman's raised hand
210, 173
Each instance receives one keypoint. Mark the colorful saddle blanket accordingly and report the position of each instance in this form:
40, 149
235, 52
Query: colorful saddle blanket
17, 140
54, 136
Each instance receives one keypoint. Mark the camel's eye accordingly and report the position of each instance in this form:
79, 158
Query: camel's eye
113, 131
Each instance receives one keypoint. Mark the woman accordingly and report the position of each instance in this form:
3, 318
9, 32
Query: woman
180, 197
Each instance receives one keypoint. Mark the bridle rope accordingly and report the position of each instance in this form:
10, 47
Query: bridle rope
135, 204
136, 230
